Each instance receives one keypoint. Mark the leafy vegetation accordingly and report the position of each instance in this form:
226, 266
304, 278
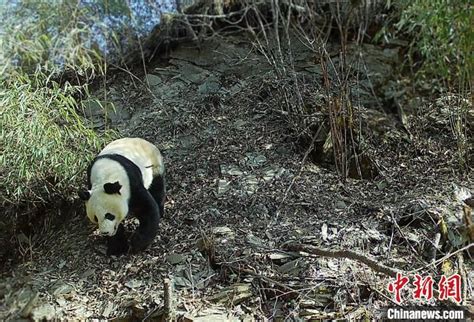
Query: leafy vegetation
44, 140
442, 33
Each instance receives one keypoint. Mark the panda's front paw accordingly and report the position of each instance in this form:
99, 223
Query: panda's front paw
117, 247
139, 242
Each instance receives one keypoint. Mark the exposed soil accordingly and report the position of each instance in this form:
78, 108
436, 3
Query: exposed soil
231, 156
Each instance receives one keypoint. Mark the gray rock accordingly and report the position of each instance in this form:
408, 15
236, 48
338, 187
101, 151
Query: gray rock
153, 80
174, 258
210, 86
99, 111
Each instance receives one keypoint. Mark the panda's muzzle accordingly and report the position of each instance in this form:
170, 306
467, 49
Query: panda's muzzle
109, 226
108, 233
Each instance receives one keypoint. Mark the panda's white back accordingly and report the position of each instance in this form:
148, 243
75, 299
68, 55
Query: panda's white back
141, 152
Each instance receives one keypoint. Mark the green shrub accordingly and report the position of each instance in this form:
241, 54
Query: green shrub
441, 51
44, 142
443, 34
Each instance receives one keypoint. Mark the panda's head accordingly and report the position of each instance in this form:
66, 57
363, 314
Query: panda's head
106, 206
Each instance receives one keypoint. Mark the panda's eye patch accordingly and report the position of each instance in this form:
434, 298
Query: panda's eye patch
95, 219
109, 217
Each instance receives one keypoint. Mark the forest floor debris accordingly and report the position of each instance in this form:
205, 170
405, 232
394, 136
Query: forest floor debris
224, 240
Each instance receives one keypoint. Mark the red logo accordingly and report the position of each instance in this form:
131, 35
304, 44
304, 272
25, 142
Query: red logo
449, 287
424, 287
397, 286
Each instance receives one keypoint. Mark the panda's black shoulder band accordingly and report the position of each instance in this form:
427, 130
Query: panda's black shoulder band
132, 170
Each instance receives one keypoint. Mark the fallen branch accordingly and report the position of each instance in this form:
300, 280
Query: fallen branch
169, 303
167, 312
392, 272
442, 259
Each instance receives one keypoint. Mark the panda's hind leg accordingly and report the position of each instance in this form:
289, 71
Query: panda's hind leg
158, 190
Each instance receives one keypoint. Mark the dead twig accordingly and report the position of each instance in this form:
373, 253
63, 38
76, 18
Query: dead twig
406, 239
436, 247
308, 151
170, 311
392, 272
462, 272
442, 258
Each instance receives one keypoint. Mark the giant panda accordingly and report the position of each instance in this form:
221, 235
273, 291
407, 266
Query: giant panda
126, 178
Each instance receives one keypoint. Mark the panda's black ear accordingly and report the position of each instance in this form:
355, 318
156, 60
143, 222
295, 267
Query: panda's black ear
84, 195
112, 188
